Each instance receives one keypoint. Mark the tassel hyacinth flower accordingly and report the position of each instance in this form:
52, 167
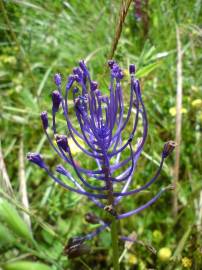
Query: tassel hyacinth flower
102, 120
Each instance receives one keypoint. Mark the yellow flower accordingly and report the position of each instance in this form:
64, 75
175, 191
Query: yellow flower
157, 235
197, 103
74, 148
126, 72
194, 88
172, 111
132, 259
127, 30
8, 59
186, 262
164, 254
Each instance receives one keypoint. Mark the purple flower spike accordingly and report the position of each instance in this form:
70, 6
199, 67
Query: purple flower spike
44, 119
58, 79
98, 130
56, 99
36, 159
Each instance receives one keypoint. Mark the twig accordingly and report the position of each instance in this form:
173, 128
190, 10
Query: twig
22, 183
178, 121
125, 4
5, 183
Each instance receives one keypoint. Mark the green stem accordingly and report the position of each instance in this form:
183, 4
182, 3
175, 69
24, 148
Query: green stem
114, 238
114, 233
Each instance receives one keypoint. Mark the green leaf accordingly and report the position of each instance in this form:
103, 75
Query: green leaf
43, 82
10, 216
146, 70
181, 244
26, 265
26, 98
6, 237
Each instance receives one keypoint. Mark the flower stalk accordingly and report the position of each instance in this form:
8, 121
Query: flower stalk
114, 239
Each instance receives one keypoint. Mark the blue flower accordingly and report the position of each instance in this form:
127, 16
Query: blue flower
102, 120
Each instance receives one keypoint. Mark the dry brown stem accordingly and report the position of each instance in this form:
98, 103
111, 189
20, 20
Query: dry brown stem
125, 4
178, 121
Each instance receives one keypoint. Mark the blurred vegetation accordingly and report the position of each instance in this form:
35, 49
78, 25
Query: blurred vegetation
39, 38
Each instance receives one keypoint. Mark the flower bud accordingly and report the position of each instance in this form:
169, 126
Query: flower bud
77, 71
70, 82
36, 159
132, 69
56, 99
82, 65
62, 142
57, 79
76, 248
76, 77
111, 63
91, 218
168, 148
117, 72
60, 169
93, 86
44, 119
130, 138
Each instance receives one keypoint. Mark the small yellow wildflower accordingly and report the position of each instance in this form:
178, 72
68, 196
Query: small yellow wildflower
127, 30
194, 88
132, 259
172, 111
186, 262
8, 59
164, 254
126, 72
197, 103
157, 235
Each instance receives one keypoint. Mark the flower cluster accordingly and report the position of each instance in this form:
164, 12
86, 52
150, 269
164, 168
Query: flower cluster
102, 120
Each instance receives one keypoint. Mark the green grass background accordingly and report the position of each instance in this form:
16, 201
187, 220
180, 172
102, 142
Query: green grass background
39, 38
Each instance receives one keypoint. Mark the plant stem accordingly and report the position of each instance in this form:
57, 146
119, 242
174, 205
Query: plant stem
125, 4
178, 130
114, 233
114, 238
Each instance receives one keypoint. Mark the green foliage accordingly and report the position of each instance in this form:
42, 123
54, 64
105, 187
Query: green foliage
6, 238
40, 38
12, 219
24, 265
